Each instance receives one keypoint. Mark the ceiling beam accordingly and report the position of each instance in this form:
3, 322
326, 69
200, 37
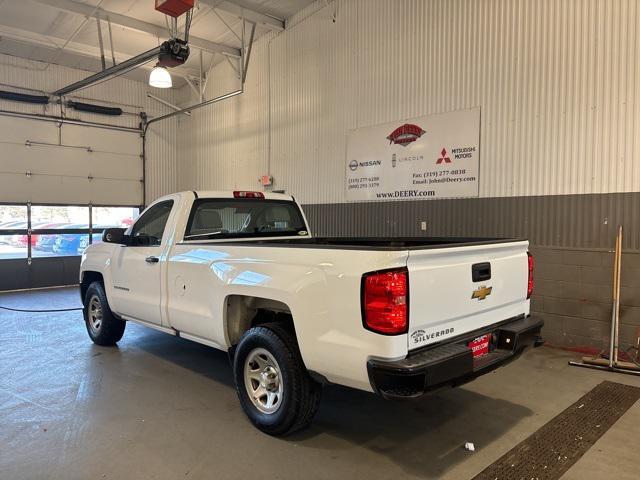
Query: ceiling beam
131, 23
51, 42
259, 18
111, 72
75, 51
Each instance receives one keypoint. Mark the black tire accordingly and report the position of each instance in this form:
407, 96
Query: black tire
110, 328
300, 395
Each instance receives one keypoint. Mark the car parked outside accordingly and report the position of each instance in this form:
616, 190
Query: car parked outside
68, 244
23, 240
45, 243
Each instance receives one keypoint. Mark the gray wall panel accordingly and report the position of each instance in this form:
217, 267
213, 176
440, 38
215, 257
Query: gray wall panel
576, 221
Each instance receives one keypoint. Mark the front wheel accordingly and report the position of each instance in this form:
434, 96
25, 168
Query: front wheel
103, 327
274, 388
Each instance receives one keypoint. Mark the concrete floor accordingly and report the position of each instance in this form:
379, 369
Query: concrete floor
159, 407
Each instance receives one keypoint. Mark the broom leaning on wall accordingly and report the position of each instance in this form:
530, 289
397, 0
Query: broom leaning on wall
611, 362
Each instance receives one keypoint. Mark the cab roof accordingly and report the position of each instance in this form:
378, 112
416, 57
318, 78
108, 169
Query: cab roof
230, 194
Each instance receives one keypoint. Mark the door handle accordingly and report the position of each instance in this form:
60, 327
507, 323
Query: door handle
152, 259
481, 271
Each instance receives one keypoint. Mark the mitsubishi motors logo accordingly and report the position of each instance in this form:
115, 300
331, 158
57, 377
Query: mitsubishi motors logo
405, 134
443, 157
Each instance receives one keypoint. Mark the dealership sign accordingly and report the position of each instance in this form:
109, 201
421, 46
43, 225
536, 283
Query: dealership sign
436, 156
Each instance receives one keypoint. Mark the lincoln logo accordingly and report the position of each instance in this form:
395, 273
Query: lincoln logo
481, 292
405, 134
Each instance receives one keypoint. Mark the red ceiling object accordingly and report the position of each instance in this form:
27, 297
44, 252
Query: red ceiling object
174, 8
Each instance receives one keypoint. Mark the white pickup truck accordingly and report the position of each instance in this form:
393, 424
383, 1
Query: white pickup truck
240, 271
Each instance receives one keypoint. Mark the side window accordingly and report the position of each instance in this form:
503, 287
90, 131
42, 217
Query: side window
150, 226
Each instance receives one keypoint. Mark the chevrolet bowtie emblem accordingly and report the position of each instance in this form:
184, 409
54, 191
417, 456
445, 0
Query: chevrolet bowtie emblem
481, 292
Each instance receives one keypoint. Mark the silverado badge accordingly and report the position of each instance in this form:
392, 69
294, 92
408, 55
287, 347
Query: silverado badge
481, 292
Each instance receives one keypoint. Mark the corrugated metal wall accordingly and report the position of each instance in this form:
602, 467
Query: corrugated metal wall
128, 94
578, 221
557, 81
162, 156
226, 144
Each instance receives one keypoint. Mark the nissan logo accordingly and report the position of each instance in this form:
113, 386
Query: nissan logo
353, 165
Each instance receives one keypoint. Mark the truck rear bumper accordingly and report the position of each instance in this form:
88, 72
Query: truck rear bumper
453, 363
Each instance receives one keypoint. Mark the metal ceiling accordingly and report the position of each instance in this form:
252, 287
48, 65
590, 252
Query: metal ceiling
65, 32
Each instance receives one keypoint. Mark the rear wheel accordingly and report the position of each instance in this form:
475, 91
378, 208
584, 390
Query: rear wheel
274, 388
103, 327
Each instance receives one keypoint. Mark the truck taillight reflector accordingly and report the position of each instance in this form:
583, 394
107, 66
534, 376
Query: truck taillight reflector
248, 195
530, 279
385, 301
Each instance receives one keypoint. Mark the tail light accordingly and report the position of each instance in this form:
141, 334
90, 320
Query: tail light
530, 278
385, 300
248, 194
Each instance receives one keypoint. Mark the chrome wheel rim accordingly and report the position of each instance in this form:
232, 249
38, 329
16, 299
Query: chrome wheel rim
263, 380
94, 314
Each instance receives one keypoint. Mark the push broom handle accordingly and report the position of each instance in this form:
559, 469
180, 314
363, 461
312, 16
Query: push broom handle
614, 295
617, 296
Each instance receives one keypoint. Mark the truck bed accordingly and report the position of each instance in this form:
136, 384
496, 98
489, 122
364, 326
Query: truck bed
367, 243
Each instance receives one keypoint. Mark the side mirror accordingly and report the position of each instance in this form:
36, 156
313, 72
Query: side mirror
115, 235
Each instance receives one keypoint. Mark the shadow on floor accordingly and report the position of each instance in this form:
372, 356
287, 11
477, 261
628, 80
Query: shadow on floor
425, 437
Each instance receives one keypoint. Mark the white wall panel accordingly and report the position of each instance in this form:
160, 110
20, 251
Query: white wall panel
163, 160
556, 81
225, 145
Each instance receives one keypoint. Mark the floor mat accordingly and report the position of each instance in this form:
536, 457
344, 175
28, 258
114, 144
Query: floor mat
549, 452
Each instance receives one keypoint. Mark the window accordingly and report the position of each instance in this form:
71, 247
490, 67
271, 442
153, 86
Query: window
111, 217
149, 228
59, 230
13, 231
216, 218
48, 217
56, 230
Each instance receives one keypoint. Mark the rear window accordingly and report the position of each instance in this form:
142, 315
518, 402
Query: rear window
238, 218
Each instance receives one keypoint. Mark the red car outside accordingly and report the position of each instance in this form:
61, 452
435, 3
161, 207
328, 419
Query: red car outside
23, 239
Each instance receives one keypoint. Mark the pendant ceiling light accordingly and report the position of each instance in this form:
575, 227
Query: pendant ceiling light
160, 77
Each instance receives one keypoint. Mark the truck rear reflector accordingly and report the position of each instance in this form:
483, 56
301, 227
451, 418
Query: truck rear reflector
385, 296
248, 194
530, 280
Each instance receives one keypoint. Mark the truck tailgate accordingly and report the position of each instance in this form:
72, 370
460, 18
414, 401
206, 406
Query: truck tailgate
444, 299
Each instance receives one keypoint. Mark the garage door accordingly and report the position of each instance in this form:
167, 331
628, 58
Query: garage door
63, 184
43, 162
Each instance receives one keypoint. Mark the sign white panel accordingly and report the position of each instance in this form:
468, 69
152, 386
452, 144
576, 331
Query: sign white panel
436, 156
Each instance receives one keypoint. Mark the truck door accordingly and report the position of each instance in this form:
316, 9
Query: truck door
137, 268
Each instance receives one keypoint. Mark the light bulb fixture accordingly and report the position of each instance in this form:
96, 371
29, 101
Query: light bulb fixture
160, 77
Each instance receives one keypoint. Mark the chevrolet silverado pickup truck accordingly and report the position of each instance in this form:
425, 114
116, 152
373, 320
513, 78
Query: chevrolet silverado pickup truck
241, 272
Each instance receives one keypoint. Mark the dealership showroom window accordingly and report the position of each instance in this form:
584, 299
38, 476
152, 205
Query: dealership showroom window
319, 238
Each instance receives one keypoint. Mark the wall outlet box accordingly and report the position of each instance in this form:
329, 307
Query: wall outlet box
266, 180
423, 226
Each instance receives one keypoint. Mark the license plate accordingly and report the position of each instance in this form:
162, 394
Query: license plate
480, 345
